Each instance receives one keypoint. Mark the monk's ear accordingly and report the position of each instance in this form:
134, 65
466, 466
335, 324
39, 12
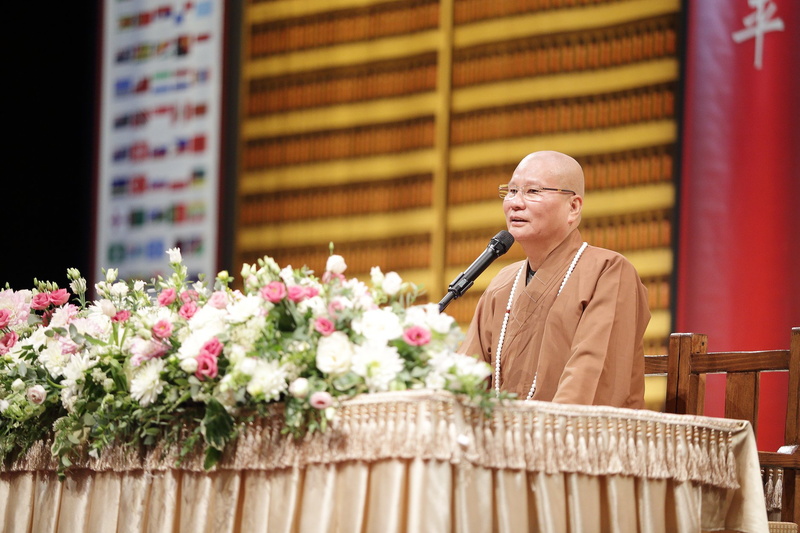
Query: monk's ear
575, 206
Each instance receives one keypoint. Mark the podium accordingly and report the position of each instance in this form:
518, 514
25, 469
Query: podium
416, 461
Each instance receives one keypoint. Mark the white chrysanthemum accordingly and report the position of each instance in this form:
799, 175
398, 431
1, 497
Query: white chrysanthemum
268, 381
208, 318
334, 354
361, 295
96, 325
248, 333
378, 364
456, 368
246, 308
37, 339
428, 315
54, 359
378, 325
316, 304
146, 384
287, 276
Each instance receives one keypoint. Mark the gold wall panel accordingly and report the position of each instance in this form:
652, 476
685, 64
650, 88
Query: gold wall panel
386, 126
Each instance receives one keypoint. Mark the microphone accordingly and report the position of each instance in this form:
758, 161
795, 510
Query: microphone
499, 245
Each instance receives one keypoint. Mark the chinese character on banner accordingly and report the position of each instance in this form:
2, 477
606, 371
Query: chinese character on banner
757, 25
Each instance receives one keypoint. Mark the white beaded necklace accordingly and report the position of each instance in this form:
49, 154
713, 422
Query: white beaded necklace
508, 312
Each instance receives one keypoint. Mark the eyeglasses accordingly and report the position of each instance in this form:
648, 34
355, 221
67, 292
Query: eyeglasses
530, 193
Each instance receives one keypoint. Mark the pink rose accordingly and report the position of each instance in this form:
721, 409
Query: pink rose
328, 277
40, 301
324, 326
212, 347
121, 316
321, 400
189, 295
162, 329
417, 336
274, 291
188, 310
206, 366
36, 394
5, 318
296, 293
59, 297
166, 297
334, 307
218, 300
8, 341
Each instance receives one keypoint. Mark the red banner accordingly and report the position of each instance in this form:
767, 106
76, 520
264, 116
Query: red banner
738, 272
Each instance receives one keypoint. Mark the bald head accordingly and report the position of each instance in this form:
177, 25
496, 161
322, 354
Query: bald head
560, 170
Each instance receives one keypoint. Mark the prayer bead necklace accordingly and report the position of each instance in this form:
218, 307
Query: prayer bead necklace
508, 312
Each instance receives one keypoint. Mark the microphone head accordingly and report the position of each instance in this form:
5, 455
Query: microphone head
502, 242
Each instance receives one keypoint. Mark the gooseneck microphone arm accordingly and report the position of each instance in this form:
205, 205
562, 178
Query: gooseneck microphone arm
499, 245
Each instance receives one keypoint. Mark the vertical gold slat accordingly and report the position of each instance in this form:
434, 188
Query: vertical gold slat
444, 71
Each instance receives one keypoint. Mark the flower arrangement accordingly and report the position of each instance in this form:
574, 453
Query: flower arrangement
160, 361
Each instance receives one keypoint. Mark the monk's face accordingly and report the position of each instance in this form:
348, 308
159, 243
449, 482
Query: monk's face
536, 214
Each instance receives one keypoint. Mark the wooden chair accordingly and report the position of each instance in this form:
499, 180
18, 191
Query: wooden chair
688, 353
664, 365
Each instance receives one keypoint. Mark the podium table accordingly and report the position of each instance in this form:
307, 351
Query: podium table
416, 461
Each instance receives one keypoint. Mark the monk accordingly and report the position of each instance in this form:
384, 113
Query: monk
576, 318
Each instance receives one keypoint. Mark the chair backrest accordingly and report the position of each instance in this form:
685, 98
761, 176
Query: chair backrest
664, 365
688, 353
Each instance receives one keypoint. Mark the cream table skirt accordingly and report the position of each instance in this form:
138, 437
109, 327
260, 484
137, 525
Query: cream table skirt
418, 462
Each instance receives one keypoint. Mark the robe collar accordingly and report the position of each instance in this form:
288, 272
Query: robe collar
555, 266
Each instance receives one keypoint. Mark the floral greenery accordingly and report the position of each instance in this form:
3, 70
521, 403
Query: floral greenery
191, 363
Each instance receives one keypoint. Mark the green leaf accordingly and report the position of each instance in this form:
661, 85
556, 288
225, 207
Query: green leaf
217, 425
213, 456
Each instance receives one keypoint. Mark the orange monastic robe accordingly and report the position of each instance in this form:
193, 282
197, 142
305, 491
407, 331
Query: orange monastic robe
585, 345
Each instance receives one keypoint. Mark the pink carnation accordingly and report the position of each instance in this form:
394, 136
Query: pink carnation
121, 316
162, 329
274, 291
324, 326
212, 346
296, 293
206, 366
188, 310
417, 336
321, 400
40, 301
166, 297
58, 297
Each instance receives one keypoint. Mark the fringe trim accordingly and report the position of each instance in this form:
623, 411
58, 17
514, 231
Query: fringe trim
531, 436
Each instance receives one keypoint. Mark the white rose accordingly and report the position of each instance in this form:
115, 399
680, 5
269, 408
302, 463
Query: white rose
392, 283
37, 394
299, 388
336, 264
334, 354
189, 365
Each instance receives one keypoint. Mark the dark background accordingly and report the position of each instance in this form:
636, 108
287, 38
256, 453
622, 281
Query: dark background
46, 213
